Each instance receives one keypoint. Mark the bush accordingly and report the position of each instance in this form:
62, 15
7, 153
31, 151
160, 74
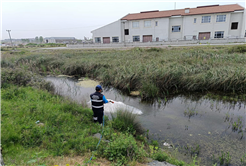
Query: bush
238, 48
126, 121
31, 45
123, 149
6, 63
155, 49
21, 45
162, 156
21, 77
149, 90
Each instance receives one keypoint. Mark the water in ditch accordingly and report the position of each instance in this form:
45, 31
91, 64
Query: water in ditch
203, 127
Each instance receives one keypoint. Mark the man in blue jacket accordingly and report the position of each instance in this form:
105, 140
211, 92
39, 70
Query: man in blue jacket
97, 101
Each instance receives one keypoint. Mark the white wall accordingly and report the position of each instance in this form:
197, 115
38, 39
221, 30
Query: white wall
110, 30
164, 29
176, 21
160, 31
191, 28
236, 17
50, 40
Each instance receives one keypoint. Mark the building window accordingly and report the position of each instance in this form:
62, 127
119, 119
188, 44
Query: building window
156, 23
97, 40
206, 19
147, 23
176, 28
194, 20
234, 25
135, 24
221, 18
126, 31
219, 34
157, 39
115, 39
136, 38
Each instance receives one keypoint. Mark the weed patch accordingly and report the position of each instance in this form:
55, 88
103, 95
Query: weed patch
127, 122
237, 49
155, 72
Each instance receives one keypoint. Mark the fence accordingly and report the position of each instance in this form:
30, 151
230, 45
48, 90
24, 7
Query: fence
160, 43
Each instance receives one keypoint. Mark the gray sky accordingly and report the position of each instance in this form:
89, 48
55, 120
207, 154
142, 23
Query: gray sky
27, 19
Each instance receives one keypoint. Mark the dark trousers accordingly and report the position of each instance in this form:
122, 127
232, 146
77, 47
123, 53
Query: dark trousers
98, 116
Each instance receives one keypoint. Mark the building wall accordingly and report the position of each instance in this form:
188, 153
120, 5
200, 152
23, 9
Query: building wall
236, 17
191, 28
110, 30
164, 28
160, 31
176, 21
49, 40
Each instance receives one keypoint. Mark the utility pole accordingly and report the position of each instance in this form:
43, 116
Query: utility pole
10, 39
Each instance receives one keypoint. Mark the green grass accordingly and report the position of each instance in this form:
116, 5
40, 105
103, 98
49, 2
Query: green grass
67, 128
125, 121
154, 72
45, 45
64, 128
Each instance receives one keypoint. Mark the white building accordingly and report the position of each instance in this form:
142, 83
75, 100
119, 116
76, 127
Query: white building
63, 40
201, 23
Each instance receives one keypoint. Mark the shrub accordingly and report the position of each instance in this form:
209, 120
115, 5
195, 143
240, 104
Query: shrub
31, 45
6, 63
238, 48
20, 45
123, 148
160, 156
163, 156
149, 90
126, 121
21, 77
137, 49
155, 49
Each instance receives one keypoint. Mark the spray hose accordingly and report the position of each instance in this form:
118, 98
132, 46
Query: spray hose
98, 142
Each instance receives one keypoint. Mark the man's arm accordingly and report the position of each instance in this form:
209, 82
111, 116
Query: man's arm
105, 100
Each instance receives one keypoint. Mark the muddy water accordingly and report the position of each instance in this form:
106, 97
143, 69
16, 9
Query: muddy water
168, 121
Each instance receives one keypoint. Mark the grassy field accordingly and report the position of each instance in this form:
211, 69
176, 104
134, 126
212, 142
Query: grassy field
155, 72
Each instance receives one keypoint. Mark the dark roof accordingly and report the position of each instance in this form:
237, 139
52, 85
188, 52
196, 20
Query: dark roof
193, 11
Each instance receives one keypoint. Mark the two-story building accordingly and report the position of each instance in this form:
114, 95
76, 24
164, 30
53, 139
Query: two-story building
200, 23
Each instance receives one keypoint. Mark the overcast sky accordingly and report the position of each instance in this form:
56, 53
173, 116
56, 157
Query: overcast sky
27, 19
